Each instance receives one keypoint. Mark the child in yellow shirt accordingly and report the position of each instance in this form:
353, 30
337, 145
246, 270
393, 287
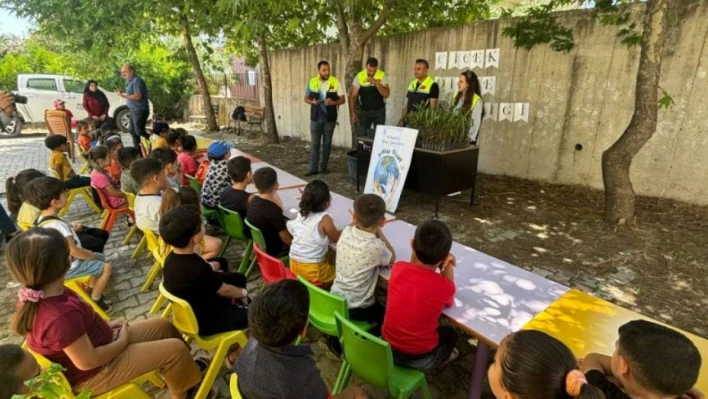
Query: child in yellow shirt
59, 163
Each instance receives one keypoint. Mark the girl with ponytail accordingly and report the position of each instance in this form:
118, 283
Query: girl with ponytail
99, 159
97, 356
25, 213
533, 365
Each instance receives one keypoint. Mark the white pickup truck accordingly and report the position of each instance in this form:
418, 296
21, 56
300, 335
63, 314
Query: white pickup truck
42, 90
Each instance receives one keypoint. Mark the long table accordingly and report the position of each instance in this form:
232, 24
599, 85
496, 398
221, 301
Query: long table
285, 180
587, 324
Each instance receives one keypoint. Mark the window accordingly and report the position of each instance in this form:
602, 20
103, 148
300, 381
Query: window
73, 86
42, 84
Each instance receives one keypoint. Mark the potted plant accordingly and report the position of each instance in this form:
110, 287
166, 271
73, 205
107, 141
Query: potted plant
49, 383
440, 129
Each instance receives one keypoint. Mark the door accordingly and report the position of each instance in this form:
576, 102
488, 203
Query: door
74, 97
41, 93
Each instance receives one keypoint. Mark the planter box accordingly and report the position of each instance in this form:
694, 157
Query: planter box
436, 173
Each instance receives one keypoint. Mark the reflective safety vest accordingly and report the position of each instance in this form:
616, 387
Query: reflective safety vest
475, 100
369, 96
419, 93
332, 85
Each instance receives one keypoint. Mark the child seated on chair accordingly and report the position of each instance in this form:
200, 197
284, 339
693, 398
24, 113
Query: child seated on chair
16, 366
159, 138
312, 231
532, 364
417, 295
99, 159
361, 250
59, 163
650, 361
171, 167
151, 177
126, 157
265, 212
49, 195
60, 105
217, 178
210, 246
114, 144
271, 365
174, 139
186, 158
25, 213
219, 300
97, 356
236, 198
84, 132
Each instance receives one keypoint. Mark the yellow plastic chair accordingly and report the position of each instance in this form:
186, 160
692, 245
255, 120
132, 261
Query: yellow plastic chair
185, 321
85, 191
158, 252
233, 387
24, 226
143, 242
145, 146
77, 285
130, 390
83, 170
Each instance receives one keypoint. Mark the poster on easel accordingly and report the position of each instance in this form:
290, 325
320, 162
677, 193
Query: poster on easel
390, 162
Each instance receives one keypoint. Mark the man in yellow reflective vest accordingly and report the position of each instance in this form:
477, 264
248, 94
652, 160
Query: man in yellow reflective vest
368, 93
423, 92
322, 94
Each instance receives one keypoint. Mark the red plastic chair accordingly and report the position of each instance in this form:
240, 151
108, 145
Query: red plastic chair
110, 214
272, 268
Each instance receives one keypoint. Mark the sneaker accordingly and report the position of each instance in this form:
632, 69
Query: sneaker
103, 305
311, 173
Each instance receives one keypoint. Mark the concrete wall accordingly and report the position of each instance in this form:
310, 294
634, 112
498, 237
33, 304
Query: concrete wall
226, 107
583, 99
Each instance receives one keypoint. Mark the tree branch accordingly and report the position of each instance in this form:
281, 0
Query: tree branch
342, 28
380, 21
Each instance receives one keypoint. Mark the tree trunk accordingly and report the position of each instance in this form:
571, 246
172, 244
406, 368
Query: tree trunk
271, 129
201, 80
355, 53
617, 160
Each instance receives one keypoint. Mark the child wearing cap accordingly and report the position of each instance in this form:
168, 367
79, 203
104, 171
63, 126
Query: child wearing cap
60, 105
217, 178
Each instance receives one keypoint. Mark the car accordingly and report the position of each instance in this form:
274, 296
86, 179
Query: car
42, 90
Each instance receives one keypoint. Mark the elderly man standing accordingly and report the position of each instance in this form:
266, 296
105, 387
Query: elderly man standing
136, 93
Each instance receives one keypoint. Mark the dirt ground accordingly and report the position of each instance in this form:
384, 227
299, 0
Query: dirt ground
658, 268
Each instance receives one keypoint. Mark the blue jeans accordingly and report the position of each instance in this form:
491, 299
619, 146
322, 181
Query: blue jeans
321, 131
138, 119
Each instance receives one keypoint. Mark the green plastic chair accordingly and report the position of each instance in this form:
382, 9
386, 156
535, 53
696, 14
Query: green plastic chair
257, 237
372, 360
233, 227
323, 306
194, 183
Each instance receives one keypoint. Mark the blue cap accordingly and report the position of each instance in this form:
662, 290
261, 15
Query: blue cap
218, 149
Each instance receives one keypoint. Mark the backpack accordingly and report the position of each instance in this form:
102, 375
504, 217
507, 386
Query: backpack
202, 172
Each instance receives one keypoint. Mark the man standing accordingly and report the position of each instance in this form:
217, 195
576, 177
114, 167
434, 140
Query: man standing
423, 92
323, 96
372, 90
136, 93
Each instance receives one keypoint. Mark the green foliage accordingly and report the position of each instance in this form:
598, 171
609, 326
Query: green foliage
48, 385
540, 26
666, 101
440, 129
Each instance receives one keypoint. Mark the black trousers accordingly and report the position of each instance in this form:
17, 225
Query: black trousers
93, 239
229, 317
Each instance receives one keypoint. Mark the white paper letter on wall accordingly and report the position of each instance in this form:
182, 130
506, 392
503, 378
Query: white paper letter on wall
490, 111
453, 60
441, 60
491, 58
506, 112
477, 59
466, 60
521, 112
489, 84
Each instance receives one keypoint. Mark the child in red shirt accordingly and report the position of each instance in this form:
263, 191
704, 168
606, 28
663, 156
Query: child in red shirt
60, 105
417, 295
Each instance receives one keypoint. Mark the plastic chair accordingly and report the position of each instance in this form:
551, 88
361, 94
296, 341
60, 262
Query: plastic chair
185, 321
153, 245
85, 191
272, 268
77, 285
145, 147
110, 214
372, 360
84, 166
130, 390
194, 183
233, 387
233, 226
58, 123
143, 241
323, 306
257, 237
